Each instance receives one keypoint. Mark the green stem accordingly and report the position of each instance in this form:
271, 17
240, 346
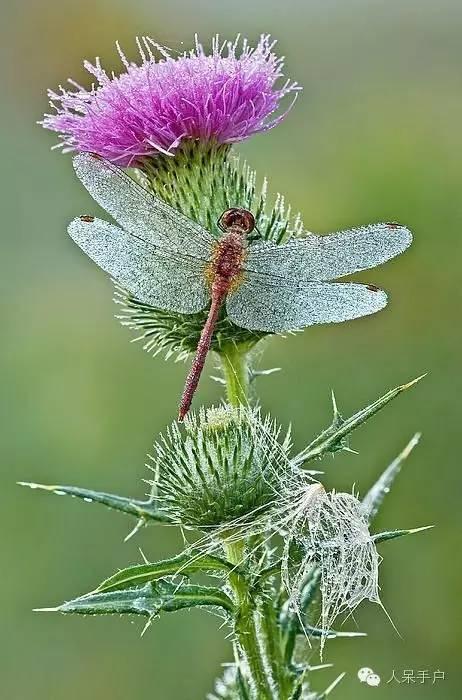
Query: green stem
236, 373
272, 638
245, 626
256, 626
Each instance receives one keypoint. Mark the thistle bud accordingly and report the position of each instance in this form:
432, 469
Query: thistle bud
225, 464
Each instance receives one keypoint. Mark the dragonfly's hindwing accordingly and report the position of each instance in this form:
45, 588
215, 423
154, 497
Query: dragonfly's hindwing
260, 304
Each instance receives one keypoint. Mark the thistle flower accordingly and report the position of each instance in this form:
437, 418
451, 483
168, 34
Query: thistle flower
153, 107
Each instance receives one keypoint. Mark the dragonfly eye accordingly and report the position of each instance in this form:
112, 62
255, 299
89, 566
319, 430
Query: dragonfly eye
239, 218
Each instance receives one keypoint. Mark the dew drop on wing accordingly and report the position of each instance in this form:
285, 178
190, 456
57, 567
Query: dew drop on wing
163, 279
325, 258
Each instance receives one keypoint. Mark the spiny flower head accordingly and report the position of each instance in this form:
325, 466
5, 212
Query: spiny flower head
151, 108
224, 465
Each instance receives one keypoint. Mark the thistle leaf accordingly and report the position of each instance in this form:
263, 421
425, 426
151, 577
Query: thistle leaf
182, 565
393, 534
310, 631
150, 600
374, 497
332, 439
333, 685
145, 510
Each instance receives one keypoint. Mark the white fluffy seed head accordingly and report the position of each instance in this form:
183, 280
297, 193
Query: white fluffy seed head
332, 533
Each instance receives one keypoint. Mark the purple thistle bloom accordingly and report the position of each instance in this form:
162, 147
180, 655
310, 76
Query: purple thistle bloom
152, 107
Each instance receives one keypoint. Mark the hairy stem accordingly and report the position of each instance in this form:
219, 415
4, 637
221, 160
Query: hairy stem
272, 638
236, 374
250, 633
245, 627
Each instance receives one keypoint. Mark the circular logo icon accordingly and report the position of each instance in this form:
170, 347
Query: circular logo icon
373, 679
367, 675
363, 674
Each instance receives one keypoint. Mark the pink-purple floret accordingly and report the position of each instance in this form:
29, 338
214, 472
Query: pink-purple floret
224, 97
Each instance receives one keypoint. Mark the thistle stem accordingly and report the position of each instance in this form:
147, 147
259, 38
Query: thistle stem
245, 626
236, 373
251, 631
272, 639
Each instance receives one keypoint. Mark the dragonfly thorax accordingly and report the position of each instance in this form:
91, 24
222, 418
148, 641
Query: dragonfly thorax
226, 265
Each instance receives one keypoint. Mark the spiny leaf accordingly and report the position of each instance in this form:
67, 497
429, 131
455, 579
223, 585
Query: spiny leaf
332, 438
150, 600
310, 631
393, 534
332, 686
144, 510
374, 497
183, 564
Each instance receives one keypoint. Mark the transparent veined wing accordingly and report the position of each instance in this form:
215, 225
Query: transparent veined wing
166, 281
260, 304
140, 212
320, 258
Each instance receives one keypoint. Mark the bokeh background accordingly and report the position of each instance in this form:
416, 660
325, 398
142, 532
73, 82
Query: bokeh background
376, 135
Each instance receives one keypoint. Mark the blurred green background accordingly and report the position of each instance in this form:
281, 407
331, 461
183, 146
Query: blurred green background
375, 135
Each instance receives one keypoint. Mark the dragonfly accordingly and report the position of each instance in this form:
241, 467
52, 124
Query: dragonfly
170, 262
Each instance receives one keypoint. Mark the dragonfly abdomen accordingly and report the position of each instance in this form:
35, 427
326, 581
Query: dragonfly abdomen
202, 350
224, 274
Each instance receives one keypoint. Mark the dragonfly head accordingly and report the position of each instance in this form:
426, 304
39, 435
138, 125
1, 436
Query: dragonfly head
238, 219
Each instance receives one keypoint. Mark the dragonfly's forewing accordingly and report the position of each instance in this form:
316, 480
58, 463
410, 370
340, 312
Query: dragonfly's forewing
319, 258
165, 280
140, 212
260, 304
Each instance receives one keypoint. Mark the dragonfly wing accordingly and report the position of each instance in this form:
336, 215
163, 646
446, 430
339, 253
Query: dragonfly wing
259, 305
320, 258
164, 281
140, 212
